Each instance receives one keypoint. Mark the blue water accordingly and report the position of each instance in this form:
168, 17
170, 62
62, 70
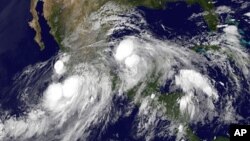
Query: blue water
173, 21
125, 127
18, 48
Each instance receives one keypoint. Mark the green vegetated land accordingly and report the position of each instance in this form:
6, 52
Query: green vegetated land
171, 105
151, 86
174, 113
210, 17
204, 48
191, 135
147, 3
56, 19
56, 22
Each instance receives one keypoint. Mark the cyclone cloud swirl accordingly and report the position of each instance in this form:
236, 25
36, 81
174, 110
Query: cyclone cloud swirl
82, 85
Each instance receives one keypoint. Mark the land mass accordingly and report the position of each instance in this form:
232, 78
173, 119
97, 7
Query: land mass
35, 24
65, 16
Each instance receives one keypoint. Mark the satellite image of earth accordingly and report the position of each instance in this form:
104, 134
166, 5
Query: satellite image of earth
123, 70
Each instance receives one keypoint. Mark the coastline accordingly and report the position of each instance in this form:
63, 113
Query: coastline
34, 24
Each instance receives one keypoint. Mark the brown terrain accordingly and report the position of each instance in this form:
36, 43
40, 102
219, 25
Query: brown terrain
35, 24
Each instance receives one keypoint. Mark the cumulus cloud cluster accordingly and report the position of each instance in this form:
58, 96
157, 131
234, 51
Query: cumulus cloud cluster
70, 106
80, 94
192, 82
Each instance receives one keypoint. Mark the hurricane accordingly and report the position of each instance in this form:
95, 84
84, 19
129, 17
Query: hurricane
116, 68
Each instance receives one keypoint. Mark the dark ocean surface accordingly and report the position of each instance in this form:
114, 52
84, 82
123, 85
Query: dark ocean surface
18, 48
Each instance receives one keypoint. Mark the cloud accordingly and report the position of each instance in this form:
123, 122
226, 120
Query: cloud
247, 14
124, 49
70, 106
192, 82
